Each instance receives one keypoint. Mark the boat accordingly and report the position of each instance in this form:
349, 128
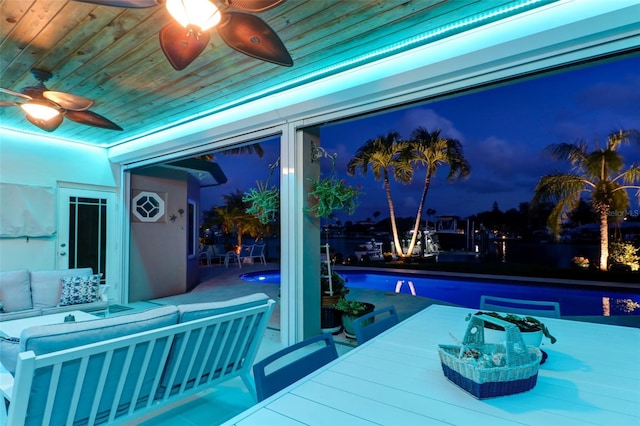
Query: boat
449, 236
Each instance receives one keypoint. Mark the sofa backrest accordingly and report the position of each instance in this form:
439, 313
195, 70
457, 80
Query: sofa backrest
231, 335
46, 285
57, 337
15, 290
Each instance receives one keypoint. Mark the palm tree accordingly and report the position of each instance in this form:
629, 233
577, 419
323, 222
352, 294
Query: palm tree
431, 151
250, 149
232, 217
598, 172
385, 155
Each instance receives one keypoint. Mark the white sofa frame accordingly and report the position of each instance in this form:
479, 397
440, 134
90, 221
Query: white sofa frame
178, 374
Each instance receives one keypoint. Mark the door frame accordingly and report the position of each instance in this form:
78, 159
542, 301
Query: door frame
113, 278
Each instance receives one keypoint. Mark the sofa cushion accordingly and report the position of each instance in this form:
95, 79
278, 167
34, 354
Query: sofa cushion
27, 313
44, 339
77, 290
15, 291
46, 285
9, 350
194, 311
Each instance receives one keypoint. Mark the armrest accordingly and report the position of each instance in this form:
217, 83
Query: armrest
103, 293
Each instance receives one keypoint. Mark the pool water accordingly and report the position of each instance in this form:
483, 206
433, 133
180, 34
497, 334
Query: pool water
573, 301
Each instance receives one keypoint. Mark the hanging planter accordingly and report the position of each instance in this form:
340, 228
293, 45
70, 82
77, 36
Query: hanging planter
264, 200
331, 194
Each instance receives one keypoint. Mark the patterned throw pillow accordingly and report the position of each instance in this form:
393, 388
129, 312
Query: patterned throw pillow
76, 290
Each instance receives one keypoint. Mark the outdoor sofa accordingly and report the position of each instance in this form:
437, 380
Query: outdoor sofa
115, 369
25, 293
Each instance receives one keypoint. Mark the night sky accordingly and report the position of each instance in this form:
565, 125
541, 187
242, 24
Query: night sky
503, 131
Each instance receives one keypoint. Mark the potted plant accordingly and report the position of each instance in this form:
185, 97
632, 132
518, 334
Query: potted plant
352, 309
532, 329
331, 293
334, 290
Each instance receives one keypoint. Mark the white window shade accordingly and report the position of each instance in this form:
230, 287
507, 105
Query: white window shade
27, 211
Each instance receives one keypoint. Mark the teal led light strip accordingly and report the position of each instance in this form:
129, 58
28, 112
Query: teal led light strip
398, 47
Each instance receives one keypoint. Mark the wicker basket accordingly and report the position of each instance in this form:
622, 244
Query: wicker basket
518, 367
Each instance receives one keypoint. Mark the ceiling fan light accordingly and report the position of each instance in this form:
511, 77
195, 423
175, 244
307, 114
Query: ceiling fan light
40, 110
200, 13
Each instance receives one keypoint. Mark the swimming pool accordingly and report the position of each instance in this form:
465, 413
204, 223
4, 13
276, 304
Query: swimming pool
573, 301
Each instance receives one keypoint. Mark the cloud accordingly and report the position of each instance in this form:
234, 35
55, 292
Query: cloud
429, 119
623, 97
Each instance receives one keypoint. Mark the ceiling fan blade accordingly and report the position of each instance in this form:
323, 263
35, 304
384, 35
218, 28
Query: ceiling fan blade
133, 4
91, 119
252, 36
256, 6
14, 93
48, 125
8, 103
68, 100
180, 45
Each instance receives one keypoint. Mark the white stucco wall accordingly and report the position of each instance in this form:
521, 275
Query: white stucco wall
41, 161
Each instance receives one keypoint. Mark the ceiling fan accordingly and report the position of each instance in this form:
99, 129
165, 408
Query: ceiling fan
185, 38
45, 108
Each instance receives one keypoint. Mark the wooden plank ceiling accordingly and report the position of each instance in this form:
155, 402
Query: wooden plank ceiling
112, 55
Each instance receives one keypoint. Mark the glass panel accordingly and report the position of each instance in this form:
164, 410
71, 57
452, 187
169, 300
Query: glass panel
88, 234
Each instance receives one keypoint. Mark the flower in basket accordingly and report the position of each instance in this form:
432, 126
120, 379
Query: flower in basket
332, 194
479, 359
264, 202
523, 322
580, 261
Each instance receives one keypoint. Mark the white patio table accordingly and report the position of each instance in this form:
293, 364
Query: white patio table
591, 377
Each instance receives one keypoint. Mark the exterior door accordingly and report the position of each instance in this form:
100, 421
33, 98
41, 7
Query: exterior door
86, 230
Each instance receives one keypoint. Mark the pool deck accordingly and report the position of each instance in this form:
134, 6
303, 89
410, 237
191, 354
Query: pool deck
221, 283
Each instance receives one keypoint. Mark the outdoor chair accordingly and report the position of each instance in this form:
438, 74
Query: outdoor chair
520, 306
257, 252
205, 254
370, 325
244, 253
251, 252
218, 253
283, 375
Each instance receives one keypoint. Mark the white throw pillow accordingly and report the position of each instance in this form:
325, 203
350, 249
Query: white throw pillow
15, 290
